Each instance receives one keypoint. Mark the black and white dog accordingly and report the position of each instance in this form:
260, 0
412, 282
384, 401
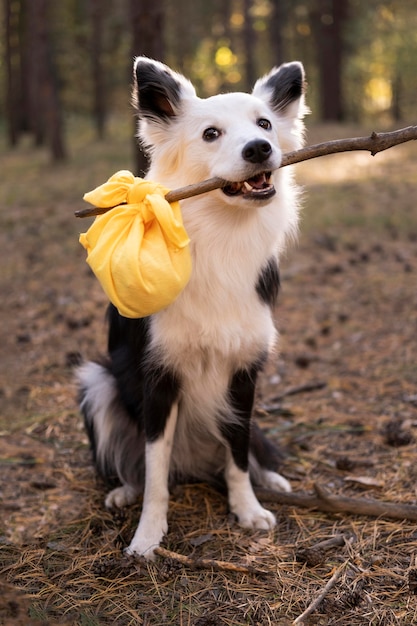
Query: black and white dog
174, 399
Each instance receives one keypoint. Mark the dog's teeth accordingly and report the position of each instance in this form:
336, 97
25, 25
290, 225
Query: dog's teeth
247, 186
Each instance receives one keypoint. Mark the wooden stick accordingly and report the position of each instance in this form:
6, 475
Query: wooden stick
224, 566
317, 601
172, 196
323, 501
376, 142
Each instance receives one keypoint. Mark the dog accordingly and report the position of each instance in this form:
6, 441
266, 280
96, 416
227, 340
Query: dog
173, 399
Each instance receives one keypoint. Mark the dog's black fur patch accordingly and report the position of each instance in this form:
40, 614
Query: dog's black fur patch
268, 284
158, 94
286, 85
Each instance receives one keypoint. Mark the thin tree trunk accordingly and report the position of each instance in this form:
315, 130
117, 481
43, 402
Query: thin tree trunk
249, 43
39, 94
12, 65
33, 79
49, 83
182, 36
327, 20
99, 96
276, 28
147, 19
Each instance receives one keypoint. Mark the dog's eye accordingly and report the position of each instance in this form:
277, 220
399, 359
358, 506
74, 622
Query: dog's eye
211, 134
264, 123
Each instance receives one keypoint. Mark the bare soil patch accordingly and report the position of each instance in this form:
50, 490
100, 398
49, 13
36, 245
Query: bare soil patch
348, 322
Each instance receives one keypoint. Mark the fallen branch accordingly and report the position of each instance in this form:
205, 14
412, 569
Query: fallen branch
323, 501
317, 601
376, 142
293, 391
224, 566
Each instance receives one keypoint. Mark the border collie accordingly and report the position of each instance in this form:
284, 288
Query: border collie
173, 400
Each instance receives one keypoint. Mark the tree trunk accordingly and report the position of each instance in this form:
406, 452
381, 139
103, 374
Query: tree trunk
146, 18
328, 19
99, 92
276, 29
33, 98
181, 48
49, 97
249, 39
33, 78
12, 65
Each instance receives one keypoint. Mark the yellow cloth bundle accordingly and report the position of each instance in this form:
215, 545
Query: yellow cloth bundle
139, 249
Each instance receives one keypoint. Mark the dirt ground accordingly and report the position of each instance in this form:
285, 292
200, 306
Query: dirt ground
340, 397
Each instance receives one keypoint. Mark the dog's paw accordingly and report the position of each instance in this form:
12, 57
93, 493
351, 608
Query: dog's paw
141, 549
274, 481
145, 545
120, 497
257, 519
148, 536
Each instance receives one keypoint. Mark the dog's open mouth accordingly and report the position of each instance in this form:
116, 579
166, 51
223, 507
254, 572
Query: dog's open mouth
257, 187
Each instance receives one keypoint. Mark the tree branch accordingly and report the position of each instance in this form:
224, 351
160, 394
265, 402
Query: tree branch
214, 564
323, 501
376, 142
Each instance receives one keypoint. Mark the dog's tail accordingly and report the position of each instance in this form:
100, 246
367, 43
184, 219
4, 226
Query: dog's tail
117, 442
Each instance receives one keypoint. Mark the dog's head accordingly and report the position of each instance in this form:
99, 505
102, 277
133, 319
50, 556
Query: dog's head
237, 136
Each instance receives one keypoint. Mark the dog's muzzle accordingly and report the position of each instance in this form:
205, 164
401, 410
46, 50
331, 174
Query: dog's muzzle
258, 187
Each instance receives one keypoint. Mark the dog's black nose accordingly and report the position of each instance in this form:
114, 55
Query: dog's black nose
257, 151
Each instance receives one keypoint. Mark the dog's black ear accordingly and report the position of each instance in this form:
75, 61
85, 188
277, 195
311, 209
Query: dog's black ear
158, 91
283, 86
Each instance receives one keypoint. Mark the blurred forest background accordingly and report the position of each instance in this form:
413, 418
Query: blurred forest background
73, 57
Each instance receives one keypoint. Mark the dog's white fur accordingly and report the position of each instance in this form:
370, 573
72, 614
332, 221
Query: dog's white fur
218, 324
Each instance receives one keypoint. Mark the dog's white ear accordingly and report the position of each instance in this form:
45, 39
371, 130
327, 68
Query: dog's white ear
283, 88
158, 91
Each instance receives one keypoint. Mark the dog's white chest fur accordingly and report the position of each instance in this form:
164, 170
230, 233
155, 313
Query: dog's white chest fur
219, 310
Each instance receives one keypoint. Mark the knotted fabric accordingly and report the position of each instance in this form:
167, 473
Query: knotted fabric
139, 249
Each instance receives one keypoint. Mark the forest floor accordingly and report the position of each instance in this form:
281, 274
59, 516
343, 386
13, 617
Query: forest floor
347, 316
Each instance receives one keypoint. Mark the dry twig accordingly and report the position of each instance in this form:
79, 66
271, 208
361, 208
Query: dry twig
316, 602
323, 501
214, 564
376, 142
293, 391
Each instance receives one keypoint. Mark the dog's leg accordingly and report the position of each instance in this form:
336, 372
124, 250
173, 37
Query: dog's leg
161, 412
264, 457
242, 500
153, 523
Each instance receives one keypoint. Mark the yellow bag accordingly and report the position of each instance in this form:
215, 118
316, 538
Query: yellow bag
139, 250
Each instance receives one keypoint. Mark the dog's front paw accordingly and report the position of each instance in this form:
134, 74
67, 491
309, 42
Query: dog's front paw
274, 481
257, 519
142, 549
120, 497
147, 538
144, 546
